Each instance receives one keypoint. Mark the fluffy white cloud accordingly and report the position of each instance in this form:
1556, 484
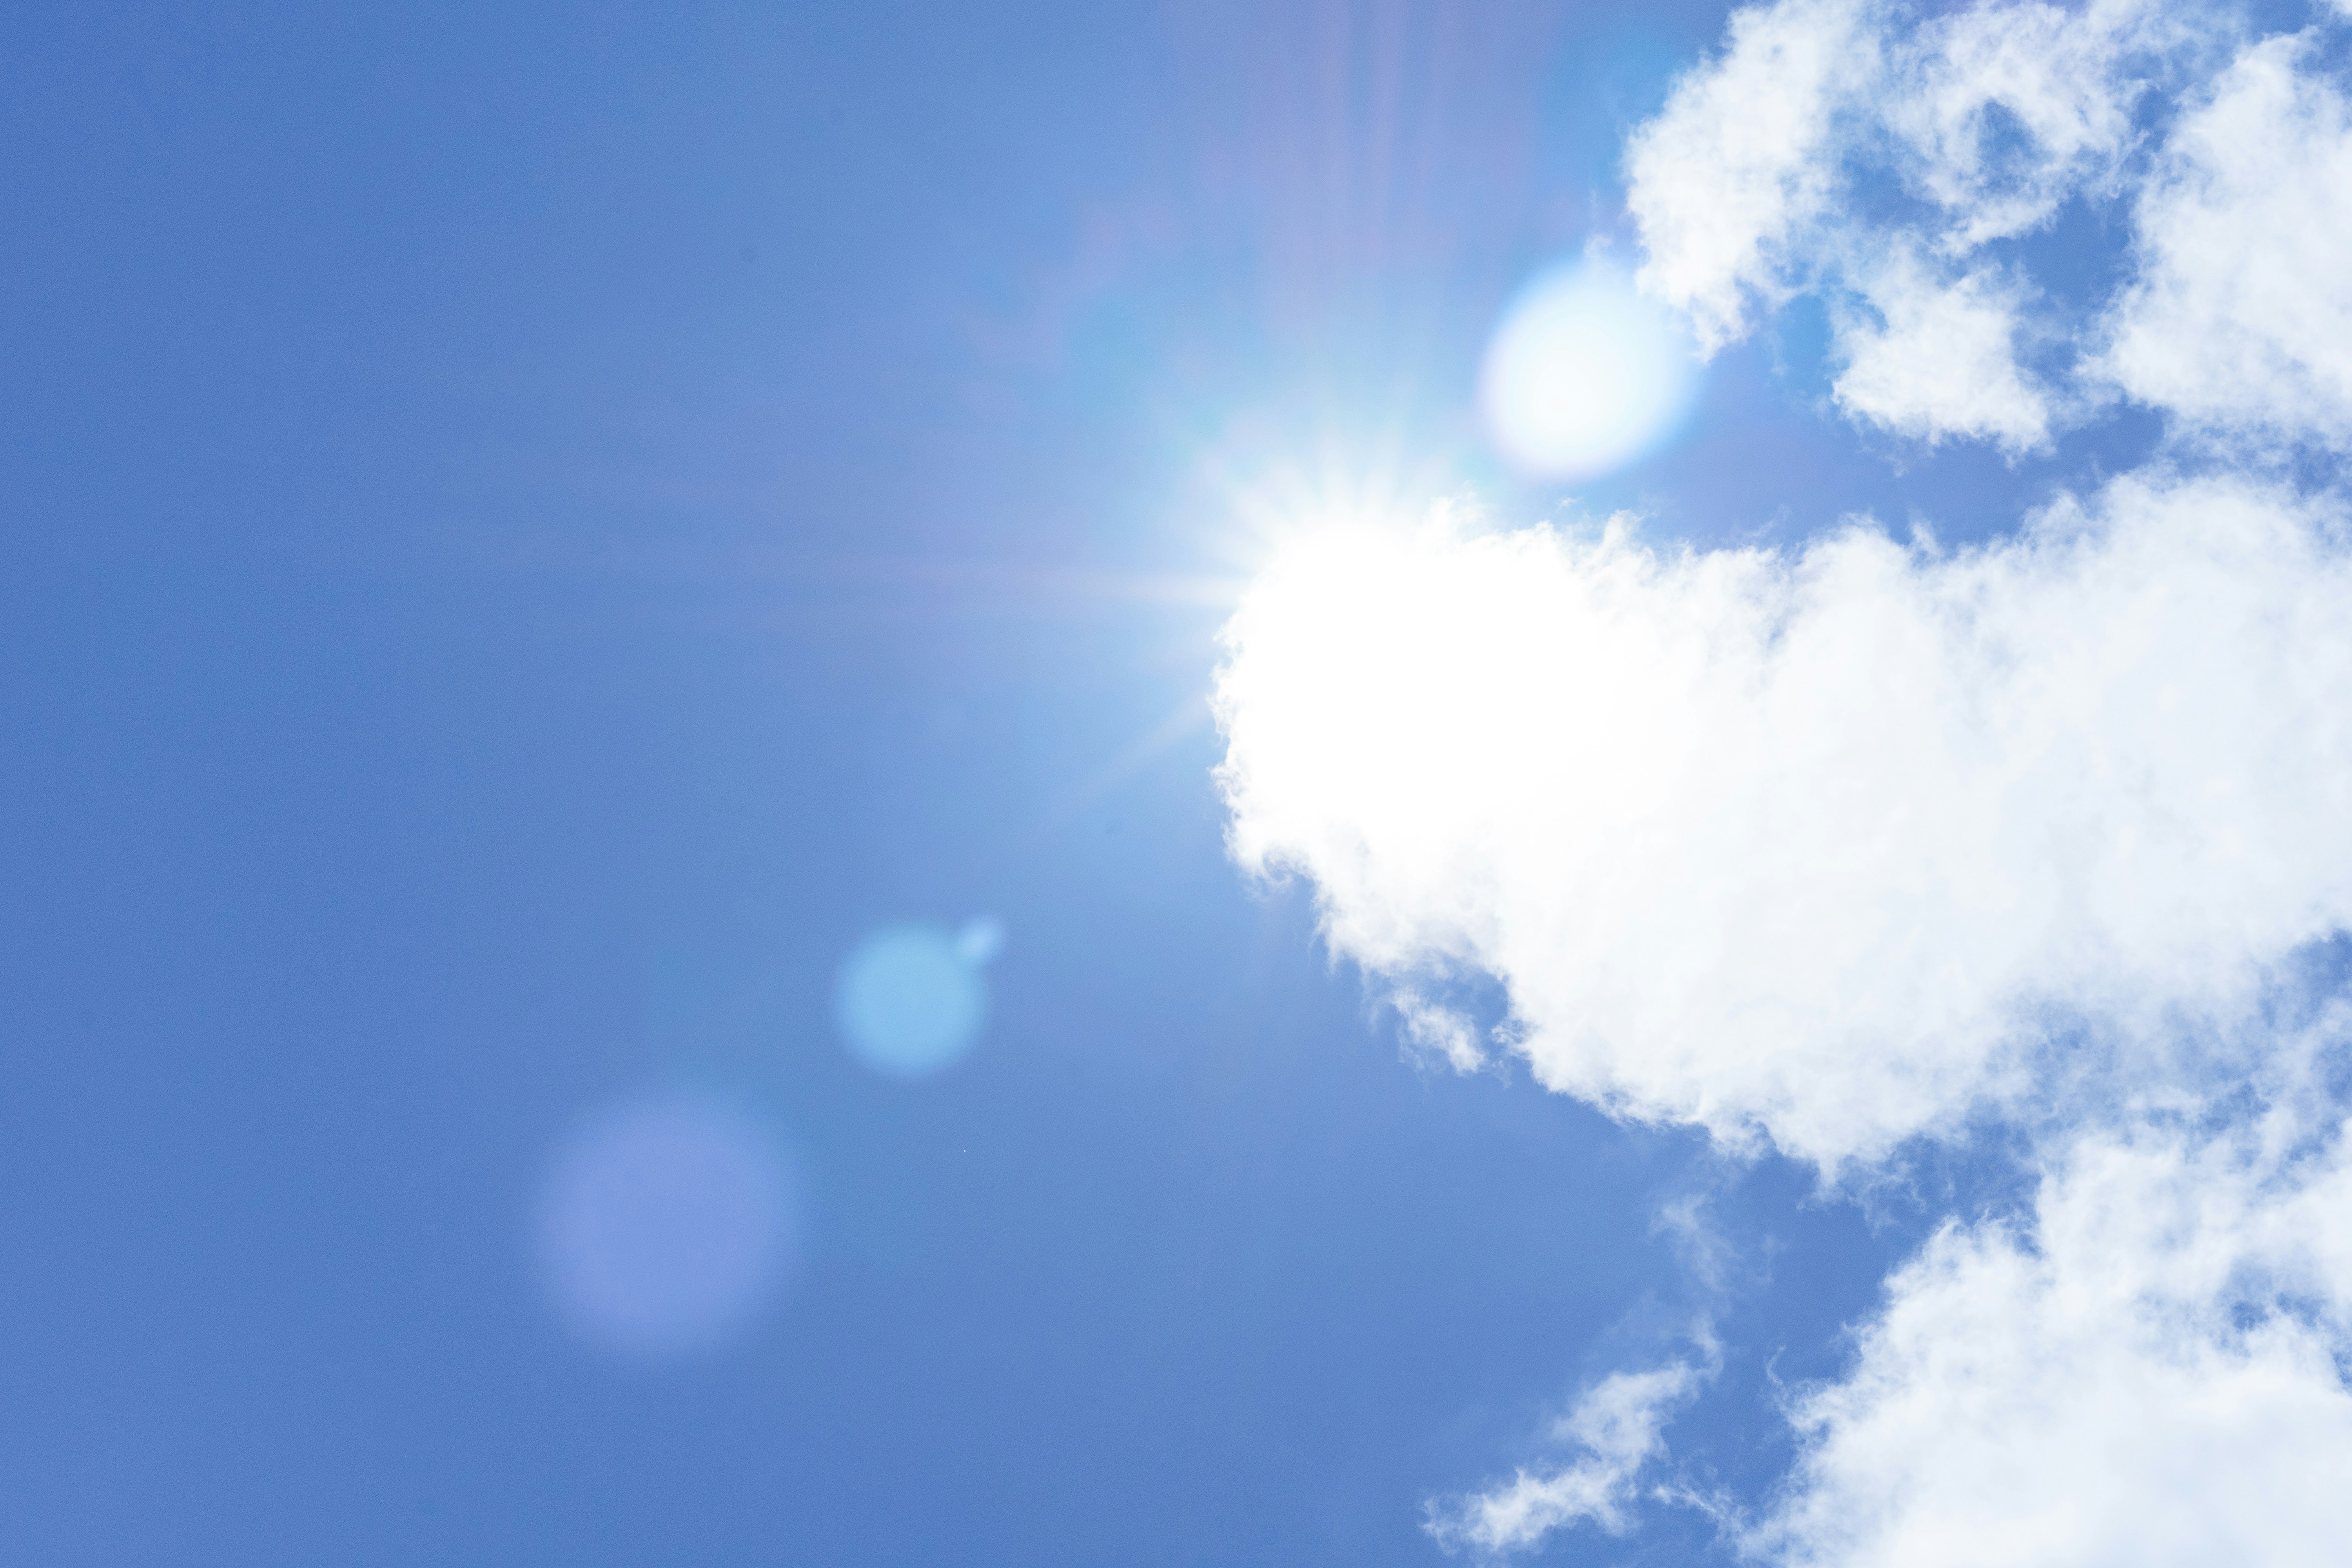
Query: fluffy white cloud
1750, 183
1857, 151
1739, 162
1933, 359
1616, 1428
1828, 844
1847, 844
2241, 315
2001, 112
2146, 1375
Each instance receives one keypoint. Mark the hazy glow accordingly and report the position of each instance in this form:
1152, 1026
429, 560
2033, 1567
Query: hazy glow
911, 998
665, 1225
1585, 374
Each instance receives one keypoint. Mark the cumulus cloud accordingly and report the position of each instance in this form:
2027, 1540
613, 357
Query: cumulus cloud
2143, 1372
1831, 845
1753, 182
1617, 1429
1739, 162
1932, 359
2241, 315
1889, 162
1843, 846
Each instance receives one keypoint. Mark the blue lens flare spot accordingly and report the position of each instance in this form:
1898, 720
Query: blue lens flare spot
911, 998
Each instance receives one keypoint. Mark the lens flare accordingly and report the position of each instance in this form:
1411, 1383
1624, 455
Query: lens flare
666, 1225
1585, 374
911, 998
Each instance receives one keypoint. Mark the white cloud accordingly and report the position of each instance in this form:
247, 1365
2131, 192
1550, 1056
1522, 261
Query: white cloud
1439, 1030
1829, 137
2147, 1376
1736, 164
2001, 112
2241, 315
1616, 1428
1847, 844
1814, 844
1940, 359
1753, 182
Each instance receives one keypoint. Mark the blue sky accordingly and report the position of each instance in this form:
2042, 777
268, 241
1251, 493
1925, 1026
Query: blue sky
530, 536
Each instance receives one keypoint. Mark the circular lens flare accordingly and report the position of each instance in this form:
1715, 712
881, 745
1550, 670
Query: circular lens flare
666, 1225
1585, 374
911, 998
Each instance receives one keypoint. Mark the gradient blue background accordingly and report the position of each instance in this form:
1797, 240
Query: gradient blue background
526, 531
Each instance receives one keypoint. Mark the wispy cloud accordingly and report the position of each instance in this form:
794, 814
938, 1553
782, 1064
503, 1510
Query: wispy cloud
1615, 1430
